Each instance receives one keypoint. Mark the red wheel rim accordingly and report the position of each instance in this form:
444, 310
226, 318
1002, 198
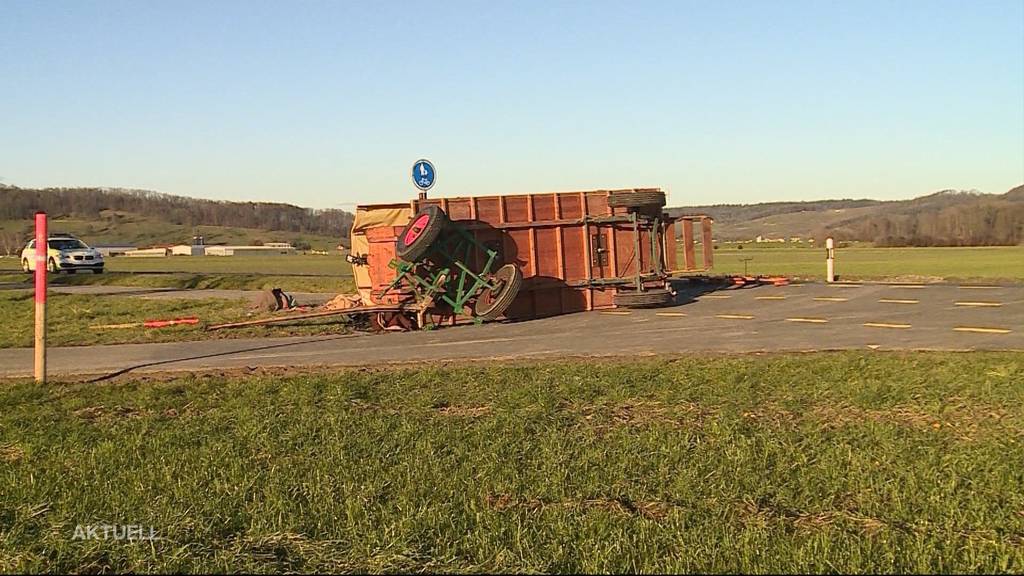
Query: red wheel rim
417, 228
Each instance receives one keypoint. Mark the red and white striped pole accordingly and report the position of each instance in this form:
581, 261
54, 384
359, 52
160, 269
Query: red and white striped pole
42, 247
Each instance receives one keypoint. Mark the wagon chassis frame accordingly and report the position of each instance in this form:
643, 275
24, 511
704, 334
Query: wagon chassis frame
451, 282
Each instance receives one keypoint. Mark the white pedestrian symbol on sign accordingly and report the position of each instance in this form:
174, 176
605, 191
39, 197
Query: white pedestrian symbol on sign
423, 174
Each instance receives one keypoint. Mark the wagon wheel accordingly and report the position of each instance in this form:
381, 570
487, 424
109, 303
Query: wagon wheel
492, 303
648, 299
646, 200
420, 233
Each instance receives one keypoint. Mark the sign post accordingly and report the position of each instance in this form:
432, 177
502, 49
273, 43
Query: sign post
423, 176
830, 260
42, 247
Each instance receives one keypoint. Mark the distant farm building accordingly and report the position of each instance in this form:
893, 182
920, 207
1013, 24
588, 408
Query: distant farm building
149, 252
188, 250
108, 250
269, 249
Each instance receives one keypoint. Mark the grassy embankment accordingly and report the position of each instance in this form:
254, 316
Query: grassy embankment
852, 462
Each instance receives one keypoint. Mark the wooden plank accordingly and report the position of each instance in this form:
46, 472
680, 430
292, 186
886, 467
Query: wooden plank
689, 258
709, 249
343, 311
558, 238
533, 237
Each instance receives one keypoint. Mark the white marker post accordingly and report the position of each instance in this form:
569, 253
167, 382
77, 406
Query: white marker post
830, 260
40, 256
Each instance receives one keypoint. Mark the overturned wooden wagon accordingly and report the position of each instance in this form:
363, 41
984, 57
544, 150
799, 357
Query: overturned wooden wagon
442, 260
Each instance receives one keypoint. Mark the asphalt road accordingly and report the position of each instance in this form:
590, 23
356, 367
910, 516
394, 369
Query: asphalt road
801, 317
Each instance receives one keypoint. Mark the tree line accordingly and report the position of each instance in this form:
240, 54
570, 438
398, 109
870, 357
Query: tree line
946, 218
21, 203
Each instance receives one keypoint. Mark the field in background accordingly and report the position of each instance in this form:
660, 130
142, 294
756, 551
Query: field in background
299, 273
331, 274
861, 262
852, 462
143, 232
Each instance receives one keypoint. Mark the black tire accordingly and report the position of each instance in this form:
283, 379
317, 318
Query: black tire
97, 270
25, 266
648, 200
428, 231
51, 266
646, 299
490, 305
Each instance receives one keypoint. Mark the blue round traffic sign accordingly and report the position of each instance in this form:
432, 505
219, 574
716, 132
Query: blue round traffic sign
423, 174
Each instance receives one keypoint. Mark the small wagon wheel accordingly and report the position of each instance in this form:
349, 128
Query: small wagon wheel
420, 233
647, 299
640, 200
492, 303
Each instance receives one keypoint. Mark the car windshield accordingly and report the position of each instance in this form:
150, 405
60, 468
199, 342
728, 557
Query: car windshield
67, 244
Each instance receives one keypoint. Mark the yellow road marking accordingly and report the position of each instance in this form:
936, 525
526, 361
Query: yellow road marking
715, 296
831, 299
885, 325
990, 304
981, 287
734, 316
770, 298
845, 285
809, 320
897, 301
982, 330
617, 313
670, 313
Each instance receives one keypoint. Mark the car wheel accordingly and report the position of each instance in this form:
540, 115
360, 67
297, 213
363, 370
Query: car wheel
25, 266
51, 266
97, 270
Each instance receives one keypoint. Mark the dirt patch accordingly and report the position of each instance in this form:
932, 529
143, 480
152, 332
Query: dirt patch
100, 412
752, 513
962, 420
638, 412
464, 411
651, 509
11, 453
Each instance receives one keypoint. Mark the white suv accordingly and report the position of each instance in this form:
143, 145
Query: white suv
64, 252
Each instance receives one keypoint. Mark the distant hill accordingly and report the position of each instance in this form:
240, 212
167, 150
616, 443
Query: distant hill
142, 217
946, 218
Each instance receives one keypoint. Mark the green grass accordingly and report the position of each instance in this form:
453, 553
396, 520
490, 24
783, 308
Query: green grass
846, 462
998, 263
71, 320
299, 273
143, 231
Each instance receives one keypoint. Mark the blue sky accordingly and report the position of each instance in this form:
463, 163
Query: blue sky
326, 104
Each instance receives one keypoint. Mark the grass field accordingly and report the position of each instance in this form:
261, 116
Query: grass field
300, 273
138, 230
847, 462
869, 263
72, 319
